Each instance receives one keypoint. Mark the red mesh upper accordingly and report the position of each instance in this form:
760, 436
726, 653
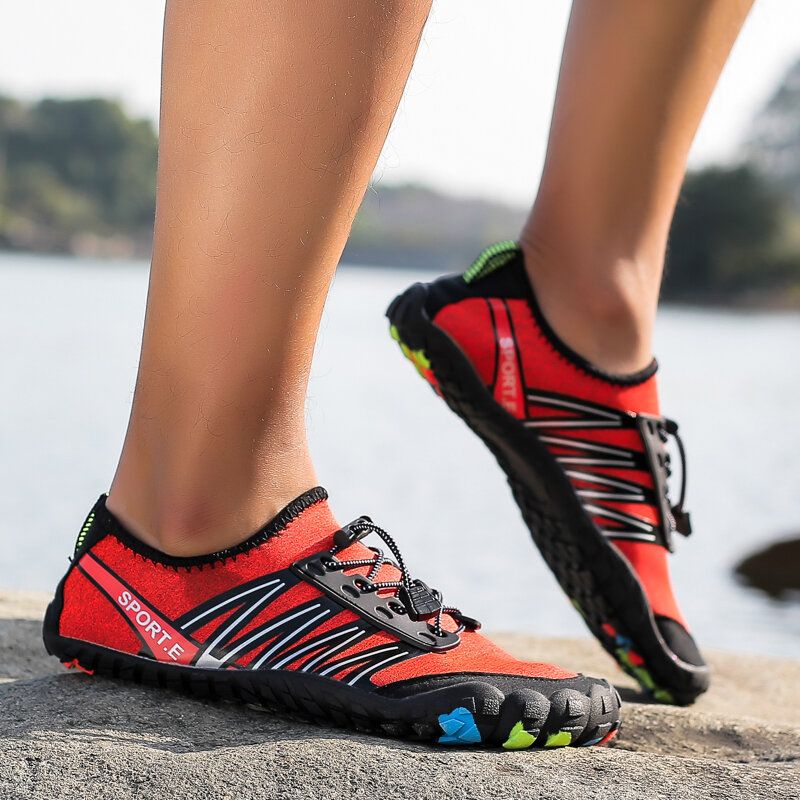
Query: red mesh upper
90, 616
475, 654
470, 323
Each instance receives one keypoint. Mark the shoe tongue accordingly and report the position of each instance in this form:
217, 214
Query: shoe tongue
307, 525
491, 259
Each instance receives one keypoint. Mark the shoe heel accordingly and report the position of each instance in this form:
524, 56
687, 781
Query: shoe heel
408, 325
407, 317
50, 629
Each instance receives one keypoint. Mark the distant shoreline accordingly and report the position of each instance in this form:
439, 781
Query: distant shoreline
437, 261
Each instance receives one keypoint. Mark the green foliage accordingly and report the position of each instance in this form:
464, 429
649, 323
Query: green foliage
732, 233
73, 166
37, 193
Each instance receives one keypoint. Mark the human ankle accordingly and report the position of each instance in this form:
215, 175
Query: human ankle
196, 526
196, 514
600, 305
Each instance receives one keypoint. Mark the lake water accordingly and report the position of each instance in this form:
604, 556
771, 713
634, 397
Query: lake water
386, 446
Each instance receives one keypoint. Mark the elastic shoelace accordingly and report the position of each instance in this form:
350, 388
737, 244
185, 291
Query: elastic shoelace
363, 527
666, 428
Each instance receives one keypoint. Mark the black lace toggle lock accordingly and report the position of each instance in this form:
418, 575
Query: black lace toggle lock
683, 521
421, 601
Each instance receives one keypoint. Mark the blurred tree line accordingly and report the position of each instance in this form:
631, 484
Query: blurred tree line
734, 235
74, 169
79, 176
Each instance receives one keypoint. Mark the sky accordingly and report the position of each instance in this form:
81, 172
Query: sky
476, 112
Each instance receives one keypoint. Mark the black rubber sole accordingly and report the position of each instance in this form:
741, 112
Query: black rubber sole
468, 711
596, 577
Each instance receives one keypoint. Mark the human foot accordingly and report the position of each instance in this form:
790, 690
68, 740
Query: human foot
584, 453
304, 618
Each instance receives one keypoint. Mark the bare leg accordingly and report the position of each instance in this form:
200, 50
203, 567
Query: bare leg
273, 115
635, 80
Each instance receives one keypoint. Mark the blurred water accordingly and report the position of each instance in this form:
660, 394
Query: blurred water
385, 445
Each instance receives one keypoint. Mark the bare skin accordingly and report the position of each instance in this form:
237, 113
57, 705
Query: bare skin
636, 76
273, 115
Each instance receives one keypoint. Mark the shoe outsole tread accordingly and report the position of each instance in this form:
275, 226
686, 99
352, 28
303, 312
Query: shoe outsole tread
468, 712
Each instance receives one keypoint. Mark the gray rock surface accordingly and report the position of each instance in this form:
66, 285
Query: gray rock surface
65, 735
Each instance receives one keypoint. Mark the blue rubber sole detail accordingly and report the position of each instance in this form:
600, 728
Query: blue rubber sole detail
459, 727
